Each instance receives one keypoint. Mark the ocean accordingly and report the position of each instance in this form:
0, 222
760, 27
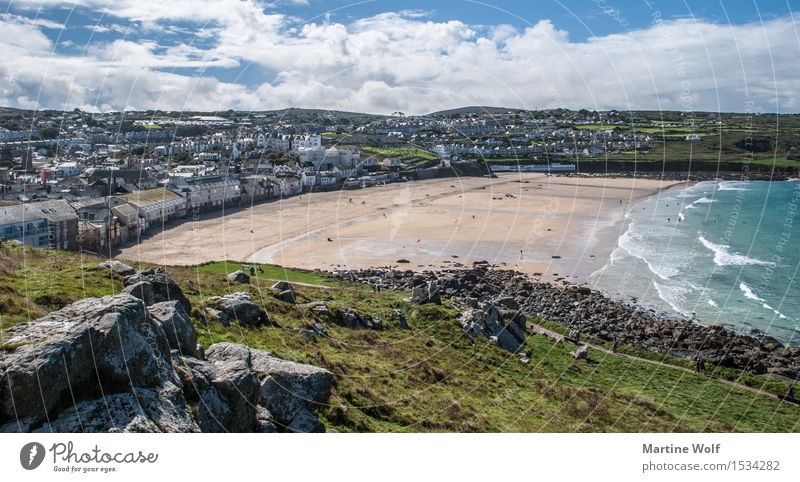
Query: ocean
721, 252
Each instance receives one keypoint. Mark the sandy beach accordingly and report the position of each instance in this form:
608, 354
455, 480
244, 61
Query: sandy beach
555, 227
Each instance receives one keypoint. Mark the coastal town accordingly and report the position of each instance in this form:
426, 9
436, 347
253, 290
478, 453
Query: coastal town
96, 181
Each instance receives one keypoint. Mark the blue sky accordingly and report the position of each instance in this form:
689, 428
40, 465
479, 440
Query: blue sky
388, 55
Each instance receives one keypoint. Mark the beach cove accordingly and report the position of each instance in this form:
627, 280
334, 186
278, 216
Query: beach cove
553, 227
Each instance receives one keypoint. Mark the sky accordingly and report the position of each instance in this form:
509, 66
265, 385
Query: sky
411, 56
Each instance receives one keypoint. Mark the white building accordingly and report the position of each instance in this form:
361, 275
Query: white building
204, 193
326, 159
307, 142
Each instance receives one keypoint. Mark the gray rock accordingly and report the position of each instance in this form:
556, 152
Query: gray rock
176, 325
426, 293
117, 267
400, 318
144, 410
142, 290
305, 422
582, 353
108, 342
283, 286
225, 351
225, 392
264, 421
164, 287
505, 329
239, 306
507, 302
217, 315
351, 318
287, 296
289, 388
239, 277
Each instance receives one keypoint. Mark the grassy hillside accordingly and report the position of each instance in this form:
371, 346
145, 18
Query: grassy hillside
429, 378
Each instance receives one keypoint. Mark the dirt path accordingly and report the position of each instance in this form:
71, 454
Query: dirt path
540, 330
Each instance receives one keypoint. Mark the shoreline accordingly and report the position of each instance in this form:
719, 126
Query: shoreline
593, 313
554, 227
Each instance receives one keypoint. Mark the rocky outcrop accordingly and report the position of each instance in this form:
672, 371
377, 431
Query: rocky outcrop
163, 286
114, 364
292, 392
176, 324
240, 307
426, 293
284, 291
504, 328
239, 276
93, 346
117, 267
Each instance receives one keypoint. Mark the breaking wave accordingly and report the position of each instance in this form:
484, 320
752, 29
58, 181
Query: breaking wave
723, 256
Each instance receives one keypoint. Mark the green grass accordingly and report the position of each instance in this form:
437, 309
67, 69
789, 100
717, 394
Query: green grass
406, 154
271, 272
429, 378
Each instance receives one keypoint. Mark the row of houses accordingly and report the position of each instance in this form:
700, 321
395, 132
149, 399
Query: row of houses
100, 223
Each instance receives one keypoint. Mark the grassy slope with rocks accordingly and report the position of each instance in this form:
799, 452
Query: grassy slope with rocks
429, 378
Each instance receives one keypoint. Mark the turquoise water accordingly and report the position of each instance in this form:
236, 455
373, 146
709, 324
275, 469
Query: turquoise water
724, 252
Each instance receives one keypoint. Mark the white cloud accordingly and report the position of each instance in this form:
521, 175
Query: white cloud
401, 61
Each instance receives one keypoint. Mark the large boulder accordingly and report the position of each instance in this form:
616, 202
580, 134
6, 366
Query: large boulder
143, 410
282, 286
142, 290
176, 324
105, 365
225, 393
239, 277
164, 287
504, 328
292, 391
108, 344
240, 306
350, 318
426, 293
117, 267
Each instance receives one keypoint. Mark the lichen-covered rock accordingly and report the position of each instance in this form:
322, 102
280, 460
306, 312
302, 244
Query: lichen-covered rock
292, 391
240, 307
176, 325
142, 290
113, 356
504, 328
143, 410
106, 342
164, 287
426, 293
239, 276
117, 267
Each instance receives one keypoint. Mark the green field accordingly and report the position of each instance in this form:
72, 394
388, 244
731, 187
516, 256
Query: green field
271, 272
432, 377
406, 154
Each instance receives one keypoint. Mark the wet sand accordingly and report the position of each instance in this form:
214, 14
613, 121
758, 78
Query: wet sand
559, 227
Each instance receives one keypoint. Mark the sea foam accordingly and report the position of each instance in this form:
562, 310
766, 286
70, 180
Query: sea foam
723, 256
